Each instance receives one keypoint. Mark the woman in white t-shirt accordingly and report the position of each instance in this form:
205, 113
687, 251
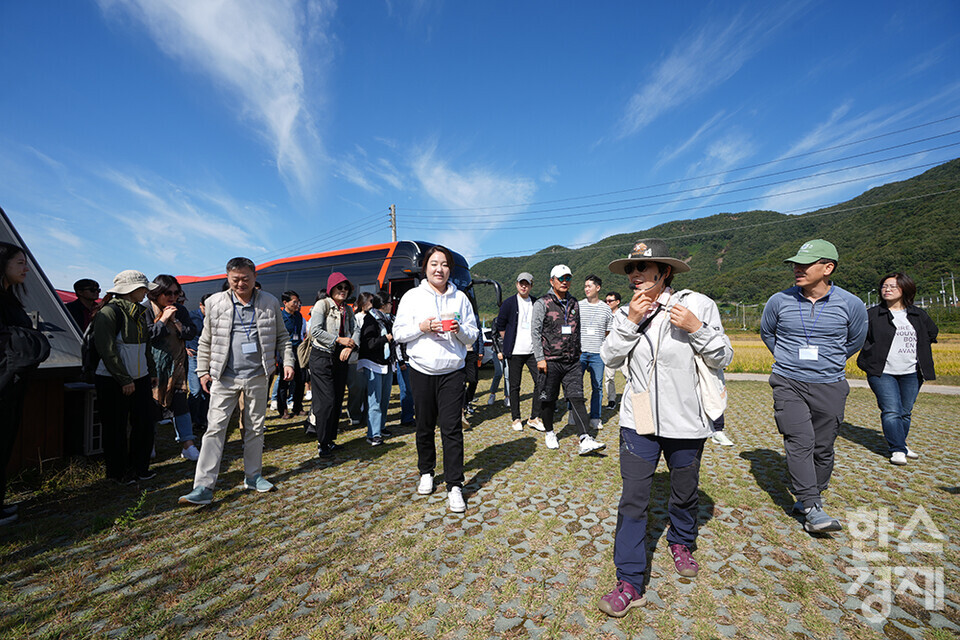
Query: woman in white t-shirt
897, 358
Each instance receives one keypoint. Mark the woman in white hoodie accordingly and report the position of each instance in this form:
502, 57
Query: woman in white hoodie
437, 322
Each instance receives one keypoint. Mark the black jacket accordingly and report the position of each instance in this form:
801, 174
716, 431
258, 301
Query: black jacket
372, 342
507, 321
880, 332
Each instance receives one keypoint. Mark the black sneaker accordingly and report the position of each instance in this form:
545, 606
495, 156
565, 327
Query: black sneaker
324, 451
386, 433
375, 441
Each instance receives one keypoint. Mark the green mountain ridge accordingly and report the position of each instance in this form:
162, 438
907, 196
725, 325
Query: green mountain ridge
911, 226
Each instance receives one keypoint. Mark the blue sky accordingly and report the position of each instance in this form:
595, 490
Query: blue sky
170, 135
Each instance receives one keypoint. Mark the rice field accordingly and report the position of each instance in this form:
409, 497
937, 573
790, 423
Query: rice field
750, 355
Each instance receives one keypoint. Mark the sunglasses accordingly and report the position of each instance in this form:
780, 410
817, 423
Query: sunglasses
342, 287
565, 278
173, 293
630, 267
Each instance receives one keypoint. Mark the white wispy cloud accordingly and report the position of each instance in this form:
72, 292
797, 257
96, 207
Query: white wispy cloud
669, 155
257, 51
701, 60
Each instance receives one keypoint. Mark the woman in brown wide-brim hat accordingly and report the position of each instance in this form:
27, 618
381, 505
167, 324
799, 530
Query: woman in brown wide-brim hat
657, 336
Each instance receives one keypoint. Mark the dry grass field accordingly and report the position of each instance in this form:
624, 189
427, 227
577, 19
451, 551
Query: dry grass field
752, 356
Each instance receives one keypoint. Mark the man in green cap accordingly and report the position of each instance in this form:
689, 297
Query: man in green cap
812, 328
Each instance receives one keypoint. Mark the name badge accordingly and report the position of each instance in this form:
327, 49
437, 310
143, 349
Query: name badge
525, 323
809, 352
248, 347
566, 330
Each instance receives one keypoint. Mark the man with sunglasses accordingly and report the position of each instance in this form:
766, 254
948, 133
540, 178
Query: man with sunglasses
514, 323
556, 346
612, 300
811, 328
85, 306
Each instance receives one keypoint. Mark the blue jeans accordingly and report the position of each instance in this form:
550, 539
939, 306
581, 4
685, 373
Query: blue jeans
895, 397
378, 399
198, 401
497, 374
593, 362
406, 395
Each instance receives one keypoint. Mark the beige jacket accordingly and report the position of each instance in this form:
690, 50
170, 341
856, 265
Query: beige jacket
214, 347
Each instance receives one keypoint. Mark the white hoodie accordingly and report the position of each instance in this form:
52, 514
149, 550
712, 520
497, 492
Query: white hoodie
434, 353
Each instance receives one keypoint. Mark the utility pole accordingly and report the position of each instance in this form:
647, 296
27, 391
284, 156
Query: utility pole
943, 291
953, 287
393, 221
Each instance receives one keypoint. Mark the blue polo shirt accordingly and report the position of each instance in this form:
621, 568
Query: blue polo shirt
836, 325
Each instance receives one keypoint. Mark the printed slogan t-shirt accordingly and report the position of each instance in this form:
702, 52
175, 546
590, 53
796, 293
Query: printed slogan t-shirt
902, 358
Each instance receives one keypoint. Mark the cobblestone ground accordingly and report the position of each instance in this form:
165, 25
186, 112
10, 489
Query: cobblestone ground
346, 549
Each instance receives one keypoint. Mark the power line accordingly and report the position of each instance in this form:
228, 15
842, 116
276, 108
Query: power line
717, 188
791, 218
326, 235
702, 176
525, 223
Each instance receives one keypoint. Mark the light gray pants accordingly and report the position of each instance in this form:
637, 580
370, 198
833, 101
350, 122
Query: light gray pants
808, 416
224, 396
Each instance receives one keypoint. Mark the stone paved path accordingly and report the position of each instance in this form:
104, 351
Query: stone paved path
345, 549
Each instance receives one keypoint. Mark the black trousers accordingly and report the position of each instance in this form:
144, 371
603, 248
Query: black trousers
515, 365
116, 411
438, 400
328, 378
472, 372
11, 414
292, 387
570, 375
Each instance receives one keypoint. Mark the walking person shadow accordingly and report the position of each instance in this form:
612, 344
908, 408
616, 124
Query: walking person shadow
768, 468
871, 439
497, 458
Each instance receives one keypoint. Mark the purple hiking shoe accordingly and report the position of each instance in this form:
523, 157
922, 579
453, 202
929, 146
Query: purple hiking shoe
683, 561
623, 598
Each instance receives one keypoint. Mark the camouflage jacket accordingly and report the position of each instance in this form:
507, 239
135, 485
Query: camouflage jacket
550, 314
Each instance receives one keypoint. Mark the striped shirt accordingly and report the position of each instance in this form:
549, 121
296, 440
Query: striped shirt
596, 320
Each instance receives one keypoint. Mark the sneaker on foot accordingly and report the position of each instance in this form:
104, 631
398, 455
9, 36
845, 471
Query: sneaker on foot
517, 425
536, 423
551, 440
913, 455
199, 495
683, 560
595, 423
719, 437
258, 483
618, 602
455, 500
324, 451
190, 453
612, 404
899, 457
491, 400
375, 441
589, 445
273, 405
817, 521
308, 396
425, 487
386, 433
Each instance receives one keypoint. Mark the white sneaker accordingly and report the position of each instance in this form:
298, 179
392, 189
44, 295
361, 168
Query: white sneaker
425, 487
589, 445
308, 396
551, 440
455, 499
190, 453
491, 400
517, 425
536, 423
595, 423
898, 458
506, 401
913, 455
273, 405
719, 437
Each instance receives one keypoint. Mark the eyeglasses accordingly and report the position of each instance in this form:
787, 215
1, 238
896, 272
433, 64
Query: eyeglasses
889, 286
565, 278
611, 300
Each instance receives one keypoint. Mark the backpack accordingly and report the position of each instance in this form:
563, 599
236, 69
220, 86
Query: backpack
89, 356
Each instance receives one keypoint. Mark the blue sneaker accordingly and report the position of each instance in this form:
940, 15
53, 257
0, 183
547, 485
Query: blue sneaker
258, 483
817, 521
199, 495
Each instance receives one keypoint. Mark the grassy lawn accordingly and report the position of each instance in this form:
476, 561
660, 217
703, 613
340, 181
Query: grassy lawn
345, 549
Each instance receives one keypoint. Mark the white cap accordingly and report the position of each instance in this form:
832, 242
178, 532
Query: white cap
560, 270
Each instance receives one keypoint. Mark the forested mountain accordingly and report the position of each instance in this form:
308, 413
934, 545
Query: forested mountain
913, 225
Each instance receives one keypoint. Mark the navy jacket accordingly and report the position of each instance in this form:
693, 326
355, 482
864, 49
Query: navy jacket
507, 321
880, 332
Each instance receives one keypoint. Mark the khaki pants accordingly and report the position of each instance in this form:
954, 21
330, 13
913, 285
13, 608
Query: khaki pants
224, 396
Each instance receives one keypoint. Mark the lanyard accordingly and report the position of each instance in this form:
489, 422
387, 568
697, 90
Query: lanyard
253, 321
566, 308
815, 319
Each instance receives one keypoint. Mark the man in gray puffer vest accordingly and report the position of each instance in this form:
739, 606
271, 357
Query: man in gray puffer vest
242, 332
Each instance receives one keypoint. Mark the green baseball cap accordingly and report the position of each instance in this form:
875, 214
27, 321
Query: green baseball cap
815, 250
